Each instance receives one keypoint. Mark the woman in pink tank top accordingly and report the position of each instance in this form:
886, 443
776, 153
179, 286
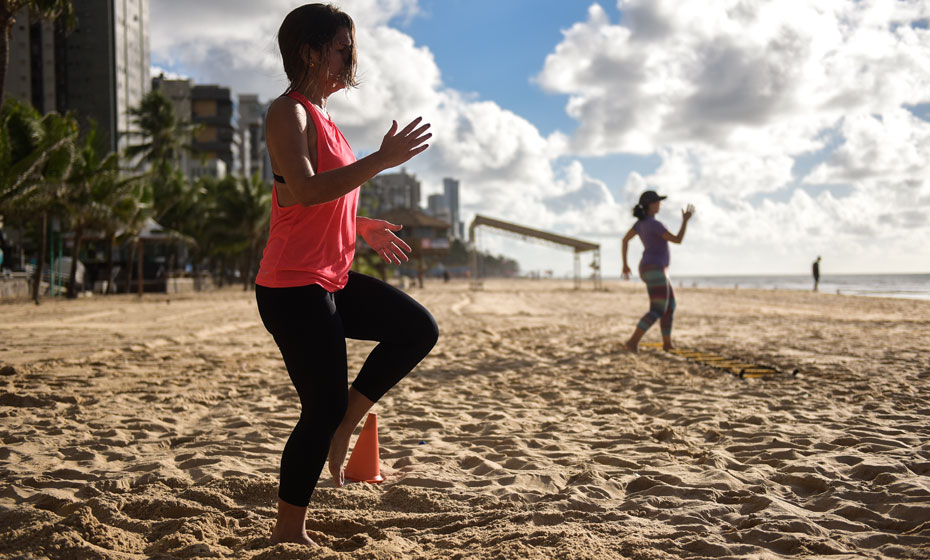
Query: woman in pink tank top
308, 298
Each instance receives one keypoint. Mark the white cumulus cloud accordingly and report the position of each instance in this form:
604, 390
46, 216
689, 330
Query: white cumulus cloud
730, 94
733, 93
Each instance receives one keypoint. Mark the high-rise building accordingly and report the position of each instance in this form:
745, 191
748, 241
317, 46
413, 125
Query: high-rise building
31, 73
212, 114
99, 70
450, 189
436, 206
133, 66
395, 190
221, 143
252, 136
179, 92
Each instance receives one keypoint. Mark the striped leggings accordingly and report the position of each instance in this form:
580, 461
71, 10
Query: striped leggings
661, 299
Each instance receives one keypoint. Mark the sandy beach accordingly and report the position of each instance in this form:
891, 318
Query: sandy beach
153, 429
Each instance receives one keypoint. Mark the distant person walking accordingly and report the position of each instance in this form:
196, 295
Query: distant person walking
308, 298
816, 271
653, 267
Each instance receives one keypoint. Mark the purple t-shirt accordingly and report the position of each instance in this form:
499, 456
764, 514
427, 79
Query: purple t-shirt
650, 231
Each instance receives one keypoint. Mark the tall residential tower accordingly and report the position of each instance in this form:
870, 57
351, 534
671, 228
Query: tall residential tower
99, 70
450, 191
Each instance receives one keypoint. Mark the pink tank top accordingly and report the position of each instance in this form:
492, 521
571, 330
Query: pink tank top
313, 244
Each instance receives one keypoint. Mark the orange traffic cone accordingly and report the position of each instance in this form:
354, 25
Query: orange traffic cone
365, 461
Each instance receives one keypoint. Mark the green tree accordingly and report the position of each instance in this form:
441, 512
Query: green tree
243, 207
124, 215
36, 154
34, 149
163, 136
46, 10
190, 210
95, 196
161, 140
367, 261
133, 216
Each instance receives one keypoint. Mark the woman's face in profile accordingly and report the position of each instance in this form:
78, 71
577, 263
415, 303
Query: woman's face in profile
655, 207
340, 56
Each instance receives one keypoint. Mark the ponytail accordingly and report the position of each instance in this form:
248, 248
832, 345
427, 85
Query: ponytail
639, 212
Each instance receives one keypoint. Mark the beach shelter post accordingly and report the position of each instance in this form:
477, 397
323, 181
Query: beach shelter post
577, 270
141, 258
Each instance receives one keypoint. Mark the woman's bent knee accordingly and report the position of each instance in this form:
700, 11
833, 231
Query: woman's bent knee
421, 330
430, 332
325, 415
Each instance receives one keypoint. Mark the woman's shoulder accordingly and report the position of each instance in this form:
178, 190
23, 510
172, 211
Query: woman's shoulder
283, 106
285, 111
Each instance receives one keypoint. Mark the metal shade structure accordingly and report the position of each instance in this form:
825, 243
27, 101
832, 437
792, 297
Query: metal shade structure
577, 245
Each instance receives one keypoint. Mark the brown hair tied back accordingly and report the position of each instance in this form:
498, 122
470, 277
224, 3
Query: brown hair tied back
314, 25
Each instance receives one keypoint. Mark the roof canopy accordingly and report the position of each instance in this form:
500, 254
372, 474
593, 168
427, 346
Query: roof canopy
578, 245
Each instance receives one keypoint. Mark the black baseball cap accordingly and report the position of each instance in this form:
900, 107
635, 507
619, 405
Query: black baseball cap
649, 197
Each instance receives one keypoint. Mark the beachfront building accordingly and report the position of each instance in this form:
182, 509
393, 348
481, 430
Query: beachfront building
450, 192
179, 92
427, 236
222, 144
437, 208
390, 191
212, 115
31, 74
251, 137
99, 70
445, 206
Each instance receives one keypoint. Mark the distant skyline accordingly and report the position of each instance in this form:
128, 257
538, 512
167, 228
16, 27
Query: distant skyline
797, 129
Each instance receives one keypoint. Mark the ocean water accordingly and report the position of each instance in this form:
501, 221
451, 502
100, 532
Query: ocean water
908, 286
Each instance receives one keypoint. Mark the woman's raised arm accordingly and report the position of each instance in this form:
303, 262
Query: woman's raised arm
286, 135
685, 216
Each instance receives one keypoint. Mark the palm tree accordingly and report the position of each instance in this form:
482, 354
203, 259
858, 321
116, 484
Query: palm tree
164, 137
33, 149
36, 154
133, 218
244, 208
187, 209
123, 215
367, 261
197, 220
46, 10
95, 190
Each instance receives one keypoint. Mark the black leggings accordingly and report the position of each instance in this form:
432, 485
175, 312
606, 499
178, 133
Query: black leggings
310, 326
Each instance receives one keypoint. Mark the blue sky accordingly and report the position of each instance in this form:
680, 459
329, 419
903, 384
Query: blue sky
796, 128
495, 49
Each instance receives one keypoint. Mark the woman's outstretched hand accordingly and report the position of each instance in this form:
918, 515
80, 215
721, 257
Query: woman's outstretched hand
399, 147
379, 235
687, 212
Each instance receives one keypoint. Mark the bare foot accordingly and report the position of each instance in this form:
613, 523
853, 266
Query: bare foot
290, 525
668, 347
337, 456
631, 346
299, 538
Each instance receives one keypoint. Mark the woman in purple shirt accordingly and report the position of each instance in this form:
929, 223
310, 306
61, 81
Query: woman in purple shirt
653, 268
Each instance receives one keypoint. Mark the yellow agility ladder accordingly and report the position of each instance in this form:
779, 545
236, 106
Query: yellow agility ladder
739, 368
